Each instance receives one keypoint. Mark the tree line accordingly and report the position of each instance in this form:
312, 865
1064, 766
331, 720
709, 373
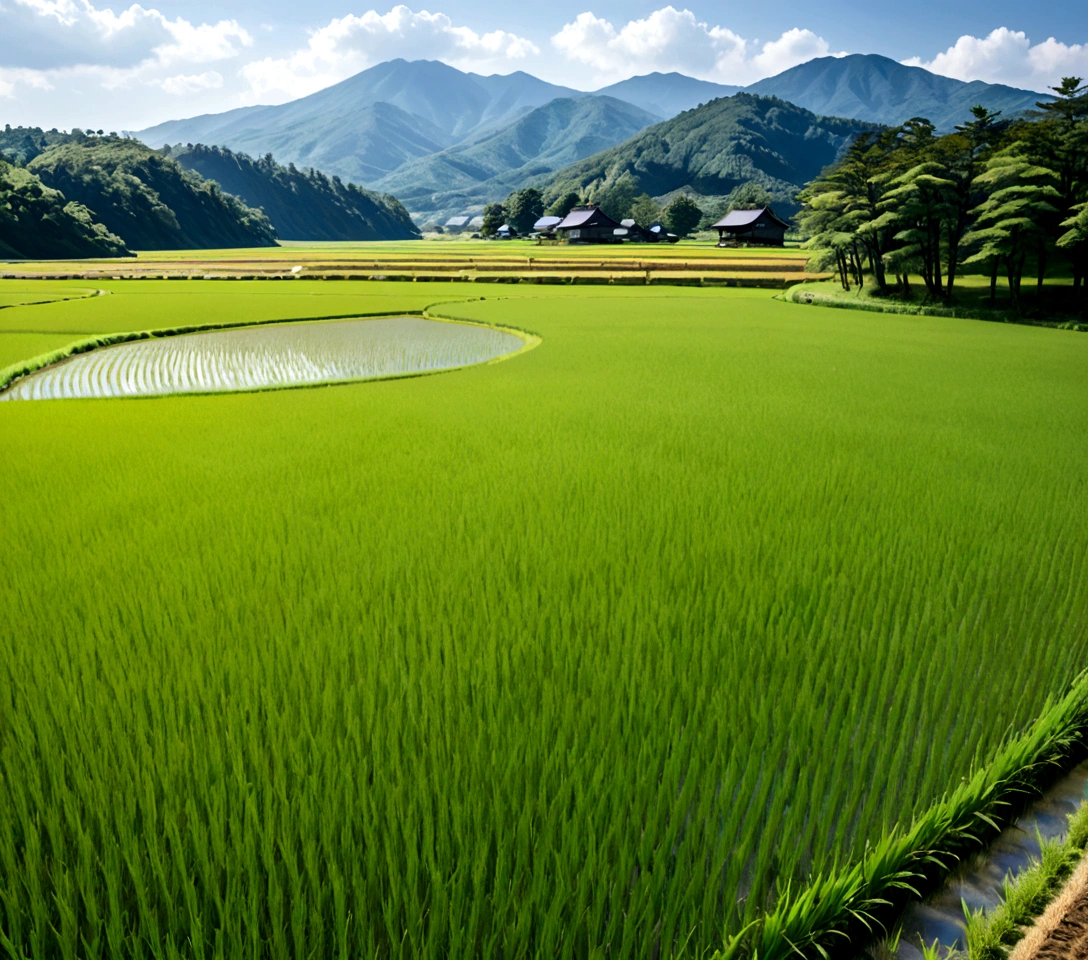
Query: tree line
1007, 197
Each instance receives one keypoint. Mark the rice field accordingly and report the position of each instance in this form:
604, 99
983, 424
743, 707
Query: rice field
587, 654
267, 358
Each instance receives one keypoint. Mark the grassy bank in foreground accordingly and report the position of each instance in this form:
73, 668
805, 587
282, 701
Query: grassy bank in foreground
582, 654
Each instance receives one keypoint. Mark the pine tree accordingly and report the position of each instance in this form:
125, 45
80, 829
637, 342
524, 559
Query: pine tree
1011, 220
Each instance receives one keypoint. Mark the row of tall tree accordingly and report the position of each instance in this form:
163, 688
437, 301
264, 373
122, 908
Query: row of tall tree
1003, 196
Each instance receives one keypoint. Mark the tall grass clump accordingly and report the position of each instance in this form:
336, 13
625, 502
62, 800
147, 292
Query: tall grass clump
686, 631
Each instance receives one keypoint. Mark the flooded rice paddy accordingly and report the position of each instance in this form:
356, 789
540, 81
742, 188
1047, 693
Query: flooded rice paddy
255, 358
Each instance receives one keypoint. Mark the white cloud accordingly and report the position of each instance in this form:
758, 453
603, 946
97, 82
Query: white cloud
60, 54
1008, 56
676, 40
58, 34
351, 43
182, 84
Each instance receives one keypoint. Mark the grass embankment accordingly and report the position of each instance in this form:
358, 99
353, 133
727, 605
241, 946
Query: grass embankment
583, 654
971, 301
992, 935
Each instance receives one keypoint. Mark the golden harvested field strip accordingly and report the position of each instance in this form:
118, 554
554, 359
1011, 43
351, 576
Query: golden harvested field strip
415, 261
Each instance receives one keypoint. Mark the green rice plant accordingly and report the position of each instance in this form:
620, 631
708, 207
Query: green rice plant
702, 625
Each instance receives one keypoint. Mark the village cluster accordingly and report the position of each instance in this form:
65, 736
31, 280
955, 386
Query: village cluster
590, 224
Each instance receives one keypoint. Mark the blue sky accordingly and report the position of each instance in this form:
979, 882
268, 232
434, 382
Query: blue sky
114, 65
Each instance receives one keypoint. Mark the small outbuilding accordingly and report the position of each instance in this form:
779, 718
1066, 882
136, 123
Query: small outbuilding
588, 225
630, 231
658, 234
759, 227
456, 224
506, 232
545, 226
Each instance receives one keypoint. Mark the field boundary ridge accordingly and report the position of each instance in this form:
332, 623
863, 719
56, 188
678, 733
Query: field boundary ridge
852, 903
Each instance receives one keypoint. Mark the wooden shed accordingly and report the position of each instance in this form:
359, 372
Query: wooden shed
759, 227
588, 225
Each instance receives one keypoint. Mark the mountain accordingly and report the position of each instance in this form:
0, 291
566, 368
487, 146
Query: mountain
371, 123
148, 199
715, 148
302, 205
667, 94
870, 87
38, 223
467, 176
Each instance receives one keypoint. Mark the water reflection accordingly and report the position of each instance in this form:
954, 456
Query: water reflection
278, 355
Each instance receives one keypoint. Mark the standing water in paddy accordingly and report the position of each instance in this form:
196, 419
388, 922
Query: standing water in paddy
254, 358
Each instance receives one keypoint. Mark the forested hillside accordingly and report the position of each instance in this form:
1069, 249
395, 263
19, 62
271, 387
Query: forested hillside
37, 222
301, 204
544, 140
714, 149
147, 199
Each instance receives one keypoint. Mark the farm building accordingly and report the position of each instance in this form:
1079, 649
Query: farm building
759, 227
659, 234
506, 232
456, 224
545, 226
630, 231
588, 225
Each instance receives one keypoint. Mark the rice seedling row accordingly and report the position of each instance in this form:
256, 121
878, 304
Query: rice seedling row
267, 357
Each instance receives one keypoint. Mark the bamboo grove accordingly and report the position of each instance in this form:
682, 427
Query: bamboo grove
998, 196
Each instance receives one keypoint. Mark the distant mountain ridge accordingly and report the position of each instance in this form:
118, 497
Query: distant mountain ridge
440, 139
667, 94
547, 138
372, 123
881, 90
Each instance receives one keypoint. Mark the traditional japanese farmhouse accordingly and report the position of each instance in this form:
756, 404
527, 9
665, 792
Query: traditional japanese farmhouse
759, 227
588, 225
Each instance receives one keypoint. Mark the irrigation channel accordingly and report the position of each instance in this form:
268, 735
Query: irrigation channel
979, 880
267, 357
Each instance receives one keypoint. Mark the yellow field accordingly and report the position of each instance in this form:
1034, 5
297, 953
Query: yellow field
687, 263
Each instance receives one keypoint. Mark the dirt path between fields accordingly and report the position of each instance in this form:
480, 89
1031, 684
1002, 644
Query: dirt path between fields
1061, 933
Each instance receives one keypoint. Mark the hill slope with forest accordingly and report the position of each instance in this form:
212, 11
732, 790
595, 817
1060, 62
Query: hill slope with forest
875, 88
716, 148
37, 222
301, 204
147, 199
544, 140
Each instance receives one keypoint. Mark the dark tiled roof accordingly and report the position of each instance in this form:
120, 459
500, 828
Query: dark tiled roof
745, 218
591, 217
